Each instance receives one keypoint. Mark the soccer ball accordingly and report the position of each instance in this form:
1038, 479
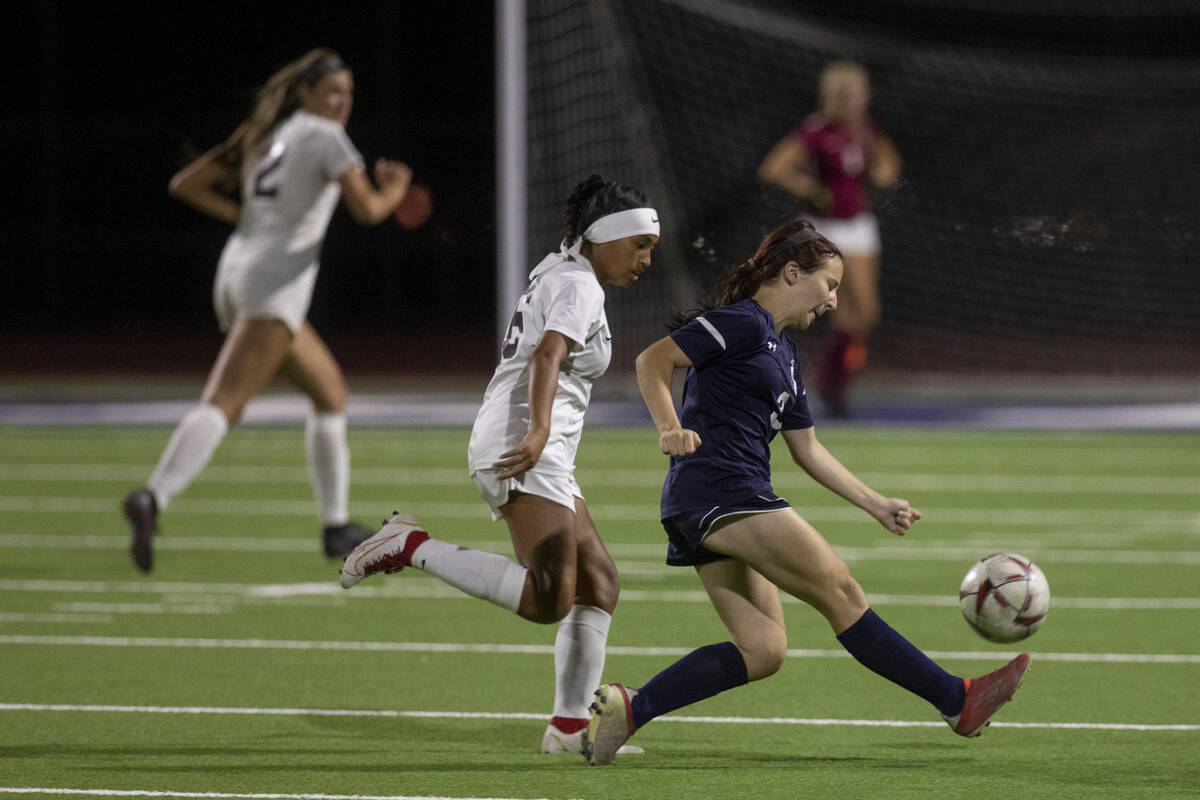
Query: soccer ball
1004, 597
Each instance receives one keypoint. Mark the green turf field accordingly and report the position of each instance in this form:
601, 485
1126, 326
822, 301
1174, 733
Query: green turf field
239, 667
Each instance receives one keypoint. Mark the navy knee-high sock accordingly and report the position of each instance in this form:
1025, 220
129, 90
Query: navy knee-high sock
882, 650
700, 674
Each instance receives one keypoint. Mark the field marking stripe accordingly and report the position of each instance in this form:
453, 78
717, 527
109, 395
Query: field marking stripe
1189, 518
617, 477
246, 796
223, 597
909, 551
333, 712
540, 649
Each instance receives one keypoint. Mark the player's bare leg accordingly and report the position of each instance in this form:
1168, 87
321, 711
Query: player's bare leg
249, 358
312, 369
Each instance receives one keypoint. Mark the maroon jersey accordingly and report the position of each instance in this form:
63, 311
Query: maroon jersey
840, 158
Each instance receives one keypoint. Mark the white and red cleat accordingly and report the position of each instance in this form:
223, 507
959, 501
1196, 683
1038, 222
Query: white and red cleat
389, 550
985, 696
610, 725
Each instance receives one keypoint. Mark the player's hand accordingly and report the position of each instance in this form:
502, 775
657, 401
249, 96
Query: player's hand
392, 173
896, 515
679, 442
523, 456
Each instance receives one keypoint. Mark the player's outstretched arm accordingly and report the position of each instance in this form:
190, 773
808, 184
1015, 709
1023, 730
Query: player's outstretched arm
655, 366
368, 205
893, 513
197, 185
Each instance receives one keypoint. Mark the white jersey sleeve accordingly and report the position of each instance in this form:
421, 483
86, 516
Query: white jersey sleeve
574, 307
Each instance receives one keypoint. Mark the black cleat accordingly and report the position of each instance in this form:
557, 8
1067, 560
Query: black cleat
142, 512
340, 540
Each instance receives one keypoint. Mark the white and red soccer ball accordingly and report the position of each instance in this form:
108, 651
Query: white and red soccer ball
1004, 597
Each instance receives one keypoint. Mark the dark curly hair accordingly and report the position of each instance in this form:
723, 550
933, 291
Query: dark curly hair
594, 198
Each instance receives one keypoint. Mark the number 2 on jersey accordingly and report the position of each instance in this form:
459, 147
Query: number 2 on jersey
274, 161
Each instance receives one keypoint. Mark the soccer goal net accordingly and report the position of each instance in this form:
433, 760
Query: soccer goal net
1046, 220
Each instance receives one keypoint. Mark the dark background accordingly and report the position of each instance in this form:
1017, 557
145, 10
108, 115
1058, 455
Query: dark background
104, 270
106, 273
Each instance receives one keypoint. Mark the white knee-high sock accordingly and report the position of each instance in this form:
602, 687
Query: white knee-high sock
484, 575
579, 659
187, 453
329, 466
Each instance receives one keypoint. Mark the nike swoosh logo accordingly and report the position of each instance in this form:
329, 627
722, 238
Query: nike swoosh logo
654, 220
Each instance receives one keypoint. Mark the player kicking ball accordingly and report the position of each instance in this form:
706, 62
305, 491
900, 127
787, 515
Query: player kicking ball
723, 518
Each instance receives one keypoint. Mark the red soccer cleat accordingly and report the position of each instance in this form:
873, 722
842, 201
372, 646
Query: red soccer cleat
985, 696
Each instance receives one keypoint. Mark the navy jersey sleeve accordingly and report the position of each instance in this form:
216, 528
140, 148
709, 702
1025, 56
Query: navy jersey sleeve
720, 333
797, 416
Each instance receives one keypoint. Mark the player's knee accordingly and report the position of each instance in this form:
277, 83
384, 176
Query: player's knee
553, 597
599, 584
764, 654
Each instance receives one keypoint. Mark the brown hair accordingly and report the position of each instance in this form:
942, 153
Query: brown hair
277, 99
796, 240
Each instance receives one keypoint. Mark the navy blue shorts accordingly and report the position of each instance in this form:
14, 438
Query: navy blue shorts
688, 529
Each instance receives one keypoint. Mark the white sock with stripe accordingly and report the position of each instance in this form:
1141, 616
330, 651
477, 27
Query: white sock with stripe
579, 650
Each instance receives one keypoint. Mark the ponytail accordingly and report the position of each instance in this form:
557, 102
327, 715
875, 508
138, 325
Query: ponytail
794, 241
276, 100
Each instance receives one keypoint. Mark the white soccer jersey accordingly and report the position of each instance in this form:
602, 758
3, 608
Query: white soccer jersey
566, 298
289, 193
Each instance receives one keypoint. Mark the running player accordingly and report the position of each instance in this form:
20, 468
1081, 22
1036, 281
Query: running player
522, 454
828, 163
293, 160
723, 518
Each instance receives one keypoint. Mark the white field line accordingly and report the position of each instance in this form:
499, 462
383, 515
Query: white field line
908, 551
648, 512
143, 608
539, 649
223, 795
83, 619
222, 596
442, 476
387, 713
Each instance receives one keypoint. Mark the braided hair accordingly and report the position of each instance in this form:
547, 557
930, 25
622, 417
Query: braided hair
594, 198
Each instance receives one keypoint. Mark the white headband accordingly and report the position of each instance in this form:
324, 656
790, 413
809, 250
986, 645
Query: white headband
631, 222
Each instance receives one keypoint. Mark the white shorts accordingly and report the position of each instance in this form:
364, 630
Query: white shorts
561, 489
240, 293
856, 236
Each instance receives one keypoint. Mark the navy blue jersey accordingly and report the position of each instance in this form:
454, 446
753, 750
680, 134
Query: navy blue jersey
742, 388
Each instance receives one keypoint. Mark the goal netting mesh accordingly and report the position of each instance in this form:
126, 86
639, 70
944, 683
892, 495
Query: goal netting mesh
1046, 221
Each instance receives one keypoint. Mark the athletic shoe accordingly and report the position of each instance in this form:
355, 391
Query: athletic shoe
388, 551
556, 742
985, 696
340, 540
141, 510
610, 725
